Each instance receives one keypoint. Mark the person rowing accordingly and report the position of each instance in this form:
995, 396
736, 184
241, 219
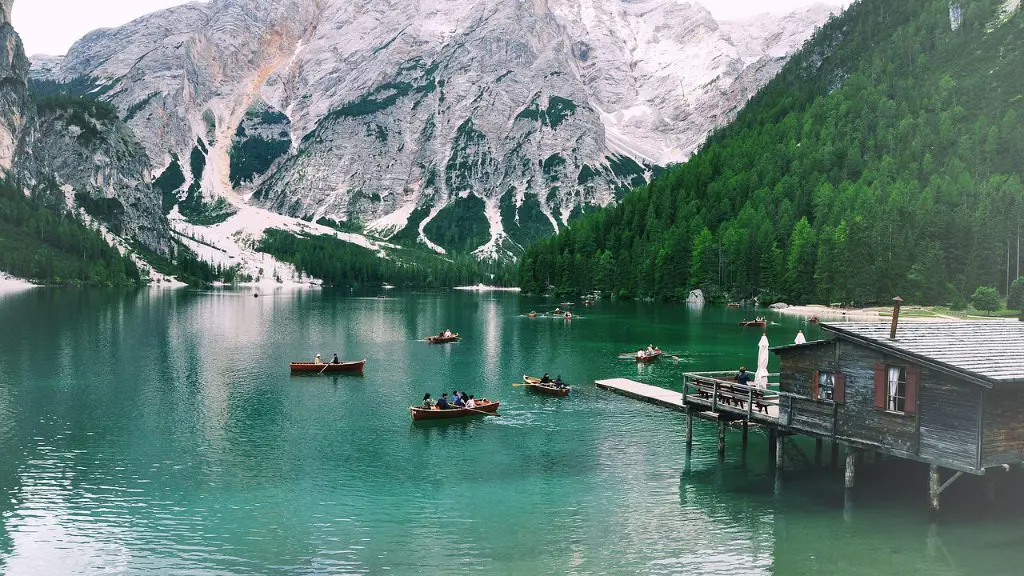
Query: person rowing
558, 382
335, 360
545, 379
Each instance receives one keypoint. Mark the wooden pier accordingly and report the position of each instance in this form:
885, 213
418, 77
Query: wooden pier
645, 392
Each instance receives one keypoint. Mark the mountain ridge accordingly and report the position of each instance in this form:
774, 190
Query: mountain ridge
395, 118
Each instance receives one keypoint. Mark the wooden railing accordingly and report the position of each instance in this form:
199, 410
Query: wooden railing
729, 394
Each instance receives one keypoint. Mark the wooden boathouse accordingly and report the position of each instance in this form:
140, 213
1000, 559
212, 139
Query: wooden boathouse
947, 394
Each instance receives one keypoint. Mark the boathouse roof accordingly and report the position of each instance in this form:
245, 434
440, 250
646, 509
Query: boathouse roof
987, 352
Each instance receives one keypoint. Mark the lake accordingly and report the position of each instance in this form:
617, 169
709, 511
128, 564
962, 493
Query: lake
159, 431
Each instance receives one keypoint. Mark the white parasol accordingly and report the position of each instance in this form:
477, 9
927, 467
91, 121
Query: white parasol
800, 339
761, 377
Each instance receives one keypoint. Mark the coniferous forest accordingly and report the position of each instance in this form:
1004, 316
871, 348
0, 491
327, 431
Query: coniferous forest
886, 158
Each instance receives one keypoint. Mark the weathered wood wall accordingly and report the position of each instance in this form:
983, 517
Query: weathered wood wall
1003, 428
949, 410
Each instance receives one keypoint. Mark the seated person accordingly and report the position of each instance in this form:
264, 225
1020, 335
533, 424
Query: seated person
471, 403
442, 402
317, 360
545, 379
559, 383
335, 361
459, 402
427, 402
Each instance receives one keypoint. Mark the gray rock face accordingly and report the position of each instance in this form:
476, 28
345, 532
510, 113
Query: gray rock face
74, 146
464, 124
14, 99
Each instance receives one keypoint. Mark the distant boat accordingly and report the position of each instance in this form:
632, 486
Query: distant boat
482, 407
339, 367
733, 305
533, 314
442, 339
537, 386
760, 323
648, 357
387, 287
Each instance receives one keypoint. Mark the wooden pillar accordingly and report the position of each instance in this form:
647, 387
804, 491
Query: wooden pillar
817, 451
773, 438
689, 426
780, 452
721, 436
745, 423
851, 467
933, 487
834, 457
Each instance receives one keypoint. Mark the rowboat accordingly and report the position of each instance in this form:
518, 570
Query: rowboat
733, 305
339, 367
442, 339
759, 323
647, 358
536, 385
485, 406
533, 314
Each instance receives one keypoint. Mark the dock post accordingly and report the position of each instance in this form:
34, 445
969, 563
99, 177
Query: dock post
773, 439
933, 488
817, 451
851, 467
721, 436
834, 457
745, 425
689, 426
780, 452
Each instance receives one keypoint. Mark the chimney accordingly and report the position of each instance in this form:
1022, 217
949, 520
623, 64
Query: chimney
896, 303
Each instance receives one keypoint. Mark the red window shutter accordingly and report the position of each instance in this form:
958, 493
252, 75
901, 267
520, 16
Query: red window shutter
880, 385
815, 384
913, 377
839, 392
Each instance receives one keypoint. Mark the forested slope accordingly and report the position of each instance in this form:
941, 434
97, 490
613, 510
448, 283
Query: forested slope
885, 159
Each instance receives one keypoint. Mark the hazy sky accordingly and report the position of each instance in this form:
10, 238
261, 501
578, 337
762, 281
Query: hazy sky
52, 26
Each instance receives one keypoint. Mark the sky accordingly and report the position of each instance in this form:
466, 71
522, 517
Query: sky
52, 26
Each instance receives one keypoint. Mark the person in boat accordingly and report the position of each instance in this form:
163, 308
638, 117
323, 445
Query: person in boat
558, 382
447, 333
471, 403
743, 377
651, 349
427, 402
460, 401
456, 396
335, 360
317, 360
545, 379
640, 354
442, 402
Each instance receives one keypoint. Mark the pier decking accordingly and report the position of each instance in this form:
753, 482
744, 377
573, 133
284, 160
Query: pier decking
646, 392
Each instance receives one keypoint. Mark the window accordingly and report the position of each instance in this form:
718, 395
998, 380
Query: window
829, 386
826, 385
896, 389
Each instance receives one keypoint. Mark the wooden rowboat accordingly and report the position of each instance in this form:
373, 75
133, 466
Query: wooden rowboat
482, 406
442, 339
648, 358
536, 385
754, 323
733, 305
339, 367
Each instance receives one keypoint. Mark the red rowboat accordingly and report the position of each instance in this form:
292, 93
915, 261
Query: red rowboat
760, 323
482, 406
442, 339
536, 385
648, 358
339, 367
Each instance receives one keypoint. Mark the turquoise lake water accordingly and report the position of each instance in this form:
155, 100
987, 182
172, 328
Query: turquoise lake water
159, 432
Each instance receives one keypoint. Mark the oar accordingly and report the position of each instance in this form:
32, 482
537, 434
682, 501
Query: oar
482, 412
324, 368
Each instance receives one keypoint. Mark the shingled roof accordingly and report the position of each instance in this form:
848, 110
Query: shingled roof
989, 351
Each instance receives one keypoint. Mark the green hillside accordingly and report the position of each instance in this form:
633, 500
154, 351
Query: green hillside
885, 159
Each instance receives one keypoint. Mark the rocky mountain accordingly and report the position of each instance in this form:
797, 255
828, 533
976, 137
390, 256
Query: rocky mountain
465, 125
79, 153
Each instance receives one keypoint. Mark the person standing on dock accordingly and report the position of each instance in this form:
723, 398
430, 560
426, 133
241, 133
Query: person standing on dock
743, 377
